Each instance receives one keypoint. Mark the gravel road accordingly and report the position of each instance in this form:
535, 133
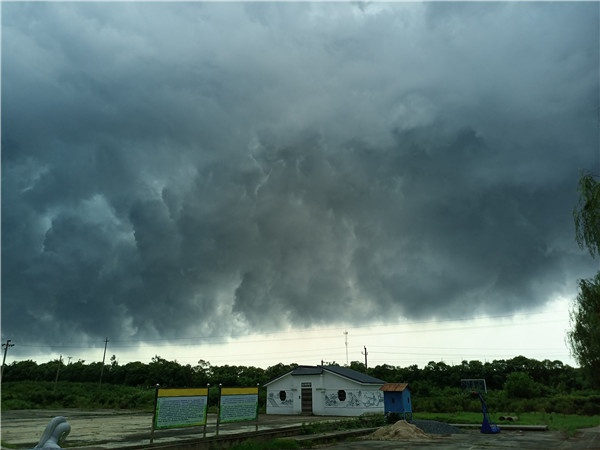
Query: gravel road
435, 427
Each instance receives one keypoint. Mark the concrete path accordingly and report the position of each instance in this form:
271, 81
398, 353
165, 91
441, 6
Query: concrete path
588, 439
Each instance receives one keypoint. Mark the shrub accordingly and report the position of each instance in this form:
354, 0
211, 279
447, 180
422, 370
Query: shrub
521, 385
392, 417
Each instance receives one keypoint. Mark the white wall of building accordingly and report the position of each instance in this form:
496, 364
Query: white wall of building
326, 399
275, 405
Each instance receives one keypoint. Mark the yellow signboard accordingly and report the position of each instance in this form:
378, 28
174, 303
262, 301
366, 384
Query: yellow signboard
182, 392
239, 391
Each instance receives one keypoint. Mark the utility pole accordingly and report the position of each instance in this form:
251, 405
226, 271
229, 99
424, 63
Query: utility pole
346, 336
8, 344
57, 372
103, 360
365, 353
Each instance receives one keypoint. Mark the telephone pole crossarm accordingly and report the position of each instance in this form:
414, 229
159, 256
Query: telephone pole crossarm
6, 346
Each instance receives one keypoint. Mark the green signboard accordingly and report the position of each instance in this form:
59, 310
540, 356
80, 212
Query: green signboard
178, 408
238, 404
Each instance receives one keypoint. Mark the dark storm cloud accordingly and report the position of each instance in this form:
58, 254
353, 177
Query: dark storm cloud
198, 169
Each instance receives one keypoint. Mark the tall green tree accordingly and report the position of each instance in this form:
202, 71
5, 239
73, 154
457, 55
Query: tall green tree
584, 337
587, 214
521, 385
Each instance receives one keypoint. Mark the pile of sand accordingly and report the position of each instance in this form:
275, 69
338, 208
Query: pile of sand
400, 430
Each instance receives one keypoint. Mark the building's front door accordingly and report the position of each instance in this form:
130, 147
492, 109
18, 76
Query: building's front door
306, 398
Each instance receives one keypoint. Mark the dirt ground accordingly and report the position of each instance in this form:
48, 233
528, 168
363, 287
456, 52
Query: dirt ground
109, 429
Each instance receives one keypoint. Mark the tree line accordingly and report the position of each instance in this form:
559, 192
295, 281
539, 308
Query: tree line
518, 384
546, 374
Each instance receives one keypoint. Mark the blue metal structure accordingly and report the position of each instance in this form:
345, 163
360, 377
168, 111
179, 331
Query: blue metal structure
487, 426
396, 400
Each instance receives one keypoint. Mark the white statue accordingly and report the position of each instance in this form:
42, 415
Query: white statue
56, 431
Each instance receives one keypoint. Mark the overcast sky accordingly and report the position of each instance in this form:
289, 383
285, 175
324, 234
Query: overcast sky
192, 170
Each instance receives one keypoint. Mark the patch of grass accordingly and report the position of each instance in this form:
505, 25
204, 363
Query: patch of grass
62, 395
16, 404
453, 417
567, 423
272, 444
78, 444
369, 420
365, 421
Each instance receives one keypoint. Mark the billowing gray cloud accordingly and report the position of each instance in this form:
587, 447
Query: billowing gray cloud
192, 169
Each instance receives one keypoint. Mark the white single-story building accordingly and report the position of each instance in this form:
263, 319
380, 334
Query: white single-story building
324, 391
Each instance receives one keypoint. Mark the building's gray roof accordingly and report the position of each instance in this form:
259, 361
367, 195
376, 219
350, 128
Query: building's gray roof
353, 375
337, 370
307, 370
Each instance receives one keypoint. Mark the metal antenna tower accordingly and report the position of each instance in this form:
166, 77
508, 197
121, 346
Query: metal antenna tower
346, 338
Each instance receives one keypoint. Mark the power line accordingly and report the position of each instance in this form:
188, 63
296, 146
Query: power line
404, 324
462, 348
227, 339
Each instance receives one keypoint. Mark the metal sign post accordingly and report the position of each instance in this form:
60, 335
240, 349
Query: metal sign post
219, 409
154, 414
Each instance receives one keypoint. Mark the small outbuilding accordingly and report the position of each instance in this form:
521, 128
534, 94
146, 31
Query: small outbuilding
324, 391
396, 400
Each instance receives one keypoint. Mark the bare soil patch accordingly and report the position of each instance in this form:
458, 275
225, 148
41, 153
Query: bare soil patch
401, 430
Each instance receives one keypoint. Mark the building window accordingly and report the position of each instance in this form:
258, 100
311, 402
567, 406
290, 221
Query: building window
282, 396
342, 395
